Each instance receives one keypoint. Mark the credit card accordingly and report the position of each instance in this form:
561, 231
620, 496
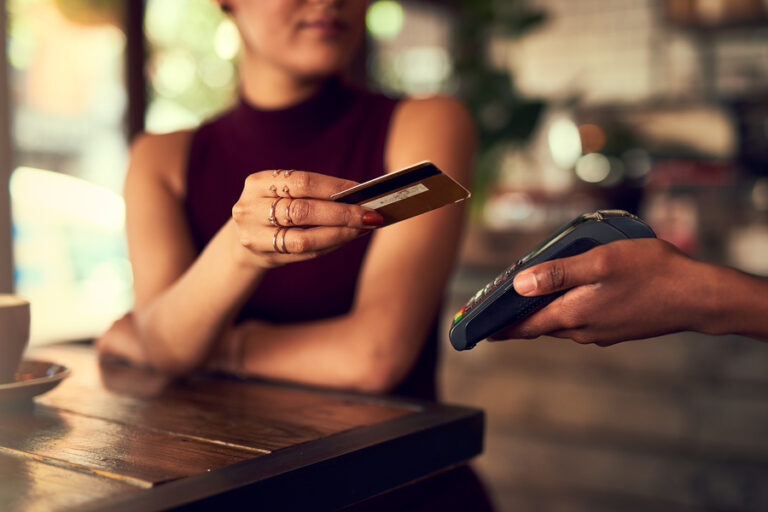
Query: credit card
403, 194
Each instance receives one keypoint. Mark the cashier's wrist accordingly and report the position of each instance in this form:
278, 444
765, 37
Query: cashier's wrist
740, 303
697, 292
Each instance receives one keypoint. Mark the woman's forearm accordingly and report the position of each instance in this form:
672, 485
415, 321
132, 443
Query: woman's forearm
180, 325
354, 351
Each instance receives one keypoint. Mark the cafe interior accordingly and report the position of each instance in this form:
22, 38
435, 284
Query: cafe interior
656, 107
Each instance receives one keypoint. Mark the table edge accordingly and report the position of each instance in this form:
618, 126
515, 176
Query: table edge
366, 461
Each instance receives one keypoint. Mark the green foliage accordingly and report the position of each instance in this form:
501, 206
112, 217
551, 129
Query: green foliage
503, 116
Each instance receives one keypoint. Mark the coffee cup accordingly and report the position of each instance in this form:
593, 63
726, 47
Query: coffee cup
14, 334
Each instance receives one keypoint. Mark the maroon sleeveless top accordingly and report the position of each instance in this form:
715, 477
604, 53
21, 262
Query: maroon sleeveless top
339, 131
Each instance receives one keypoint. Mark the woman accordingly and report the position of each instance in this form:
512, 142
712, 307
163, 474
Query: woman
250, 268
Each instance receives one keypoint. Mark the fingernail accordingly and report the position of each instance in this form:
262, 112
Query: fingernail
373, 219
364, 231
525, 284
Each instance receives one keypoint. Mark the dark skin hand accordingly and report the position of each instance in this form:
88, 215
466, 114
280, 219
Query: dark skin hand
639, 288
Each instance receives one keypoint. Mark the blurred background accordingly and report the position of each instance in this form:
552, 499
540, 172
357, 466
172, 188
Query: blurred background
659, 107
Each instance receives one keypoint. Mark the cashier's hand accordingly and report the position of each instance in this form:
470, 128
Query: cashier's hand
620, 291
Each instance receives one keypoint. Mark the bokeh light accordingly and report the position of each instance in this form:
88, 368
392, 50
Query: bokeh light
174, 73
592, 138
163, 20
593, 168
193, 76
637, 163
216, 72
564, 142
384, 19
65, 199
423, 69
226, 40
164, 115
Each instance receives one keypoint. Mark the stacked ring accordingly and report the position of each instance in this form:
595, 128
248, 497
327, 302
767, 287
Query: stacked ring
280, 232
274, 240
282, 242
272, 219
288, 220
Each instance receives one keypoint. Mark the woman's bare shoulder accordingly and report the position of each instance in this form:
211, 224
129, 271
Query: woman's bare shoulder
437, 128
435, 116
439, 105
163, 157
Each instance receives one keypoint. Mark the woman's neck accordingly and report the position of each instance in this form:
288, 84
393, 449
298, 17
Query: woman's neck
268, 87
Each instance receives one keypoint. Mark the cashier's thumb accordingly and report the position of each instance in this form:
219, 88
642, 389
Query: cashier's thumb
542, 279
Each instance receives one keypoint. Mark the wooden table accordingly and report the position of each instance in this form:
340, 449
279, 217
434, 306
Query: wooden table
121, 438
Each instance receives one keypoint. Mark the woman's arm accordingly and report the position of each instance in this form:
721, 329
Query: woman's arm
180, 302
638, 289
184, 302
402, 281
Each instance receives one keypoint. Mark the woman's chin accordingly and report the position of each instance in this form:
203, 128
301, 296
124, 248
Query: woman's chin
322, 61
315, 71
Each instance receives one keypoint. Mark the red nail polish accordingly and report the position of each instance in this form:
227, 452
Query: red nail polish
373, 219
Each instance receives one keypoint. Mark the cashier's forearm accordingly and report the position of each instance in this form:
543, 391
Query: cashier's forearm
739, 303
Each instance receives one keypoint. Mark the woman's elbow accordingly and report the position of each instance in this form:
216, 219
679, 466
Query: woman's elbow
165, 357
377, 381
171, 365
381, 371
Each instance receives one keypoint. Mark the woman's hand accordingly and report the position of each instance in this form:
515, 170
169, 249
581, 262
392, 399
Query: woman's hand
286, 216
122, 341
619, 291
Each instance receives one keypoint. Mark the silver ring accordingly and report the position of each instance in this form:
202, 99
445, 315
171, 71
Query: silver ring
273, 189
288, 220
282, 242
276, 173
287, 172
272, 219
274, 239
287, 192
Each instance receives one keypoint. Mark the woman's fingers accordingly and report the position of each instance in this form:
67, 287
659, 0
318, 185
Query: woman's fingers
298, 198
285, 212
309, 212
313, 212
288, 183
299, 240
286, 216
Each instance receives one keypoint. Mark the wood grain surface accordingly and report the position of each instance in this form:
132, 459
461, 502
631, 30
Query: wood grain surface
259, 416
133, 454
110, 431
29, 485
